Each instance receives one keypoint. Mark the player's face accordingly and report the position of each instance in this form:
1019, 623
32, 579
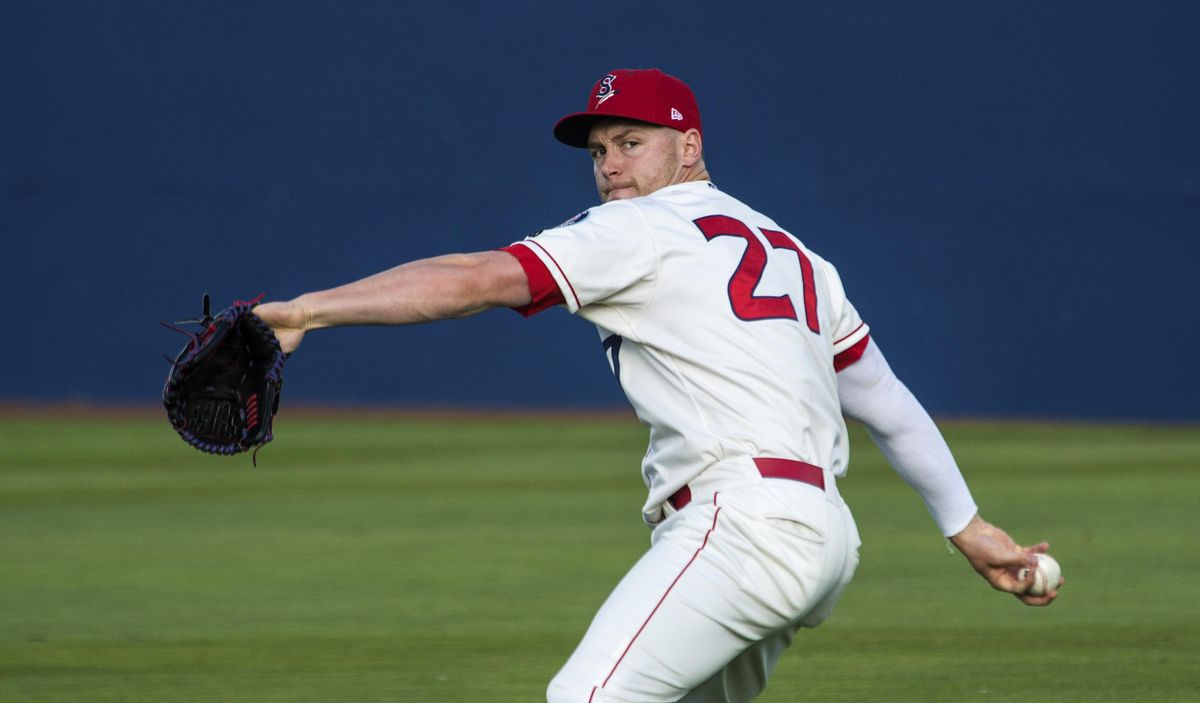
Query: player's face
631, 159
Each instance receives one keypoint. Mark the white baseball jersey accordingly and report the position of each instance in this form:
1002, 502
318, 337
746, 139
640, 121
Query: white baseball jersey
721, 327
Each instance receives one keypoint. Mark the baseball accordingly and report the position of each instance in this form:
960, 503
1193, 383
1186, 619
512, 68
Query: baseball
1047, 575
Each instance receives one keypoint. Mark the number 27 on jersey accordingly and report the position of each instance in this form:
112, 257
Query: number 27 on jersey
746, 305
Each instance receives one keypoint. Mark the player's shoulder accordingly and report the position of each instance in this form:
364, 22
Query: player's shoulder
616, 214
644, 212
682, 202
682, 194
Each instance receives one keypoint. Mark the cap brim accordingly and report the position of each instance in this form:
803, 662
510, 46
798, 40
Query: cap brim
573, 130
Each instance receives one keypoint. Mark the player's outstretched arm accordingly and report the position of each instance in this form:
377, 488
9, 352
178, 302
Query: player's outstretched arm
455, 285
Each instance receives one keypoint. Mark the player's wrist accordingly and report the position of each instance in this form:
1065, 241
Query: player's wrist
974, 528
304, 311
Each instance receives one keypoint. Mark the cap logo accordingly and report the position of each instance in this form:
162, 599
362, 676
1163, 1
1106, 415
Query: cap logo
676, 114
606, 90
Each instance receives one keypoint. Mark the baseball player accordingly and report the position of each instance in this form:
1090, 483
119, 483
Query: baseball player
737, 346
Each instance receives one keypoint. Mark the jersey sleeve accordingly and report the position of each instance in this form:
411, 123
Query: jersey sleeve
850, 333
604, 255
543, 289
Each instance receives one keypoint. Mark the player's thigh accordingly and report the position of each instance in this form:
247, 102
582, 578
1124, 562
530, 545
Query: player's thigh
705, 592
659, 633
744, 678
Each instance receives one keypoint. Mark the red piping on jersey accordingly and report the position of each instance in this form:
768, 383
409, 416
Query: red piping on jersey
660, 602
560, 269
856, 329
851, 355
543, 288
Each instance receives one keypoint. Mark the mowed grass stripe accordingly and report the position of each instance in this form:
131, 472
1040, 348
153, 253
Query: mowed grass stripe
393, 558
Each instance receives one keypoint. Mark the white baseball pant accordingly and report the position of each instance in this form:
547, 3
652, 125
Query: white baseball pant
706, 613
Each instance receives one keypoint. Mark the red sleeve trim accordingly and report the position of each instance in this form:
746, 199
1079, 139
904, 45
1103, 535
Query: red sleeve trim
543, 291
851, 355
574, 295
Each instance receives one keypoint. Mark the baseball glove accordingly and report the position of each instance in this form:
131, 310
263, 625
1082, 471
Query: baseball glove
223, 389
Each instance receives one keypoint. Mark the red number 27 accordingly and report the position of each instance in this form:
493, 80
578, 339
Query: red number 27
746, 305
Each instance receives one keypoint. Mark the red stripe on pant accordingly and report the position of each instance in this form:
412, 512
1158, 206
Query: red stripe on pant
657, 605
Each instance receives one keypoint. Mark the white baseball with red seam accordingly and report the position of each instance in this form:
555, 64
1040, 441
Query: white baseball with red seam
1046, 576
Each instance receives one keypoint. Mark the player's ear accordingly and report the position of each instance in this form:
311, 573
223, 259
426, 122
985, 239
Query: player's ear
692, 146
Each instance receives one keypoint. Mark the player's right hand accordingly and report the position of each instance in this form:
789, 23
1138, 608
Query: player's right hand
289, 321
998, 558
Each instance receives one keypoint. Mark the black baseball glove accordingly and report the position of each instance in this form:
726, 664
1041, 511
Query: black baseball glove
223, 389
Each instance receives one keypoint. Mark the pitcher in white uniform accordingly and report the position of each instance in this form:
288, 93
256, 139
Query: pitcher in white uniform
739, 349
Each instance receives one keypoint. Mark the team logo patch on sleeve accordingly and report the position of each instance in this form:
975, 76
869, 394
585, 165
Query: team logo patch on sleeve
576, 219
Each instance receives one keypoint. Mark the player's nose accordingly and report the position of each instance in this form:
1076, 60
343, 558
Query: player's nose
610, 164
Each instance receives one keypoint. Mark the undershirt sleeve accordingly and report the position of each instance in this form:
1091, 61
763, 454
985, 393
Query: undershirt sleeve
907, 436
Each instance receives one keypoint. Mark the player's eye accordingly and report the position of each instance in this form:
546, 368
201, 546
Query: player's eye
629, 144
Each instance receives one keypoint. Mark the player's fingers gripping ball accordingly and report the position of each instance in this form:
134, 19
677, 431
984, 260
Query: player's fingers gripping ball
1046, 575
222, 392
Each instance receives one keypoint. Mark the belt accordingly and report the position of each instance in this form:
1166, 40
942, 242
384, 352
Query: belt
769, 468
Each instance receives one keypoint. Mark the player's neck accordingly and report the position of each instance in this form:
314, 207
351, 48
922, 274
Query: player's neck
695, 172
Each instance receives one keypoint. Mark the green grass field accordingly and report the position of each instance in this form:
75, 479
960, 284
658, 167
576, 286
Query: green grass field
391, 558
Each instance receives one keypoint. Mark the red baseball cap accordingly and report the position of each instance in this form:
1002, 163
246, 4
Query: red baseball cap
646, 95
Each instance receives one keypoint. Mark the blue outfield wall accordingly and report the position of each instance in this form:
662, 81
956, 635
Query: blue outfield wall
1010, 190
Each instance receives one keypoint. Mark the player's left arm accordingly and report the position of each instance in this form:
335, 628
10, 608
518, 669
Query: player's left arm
870, 392
454, 285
